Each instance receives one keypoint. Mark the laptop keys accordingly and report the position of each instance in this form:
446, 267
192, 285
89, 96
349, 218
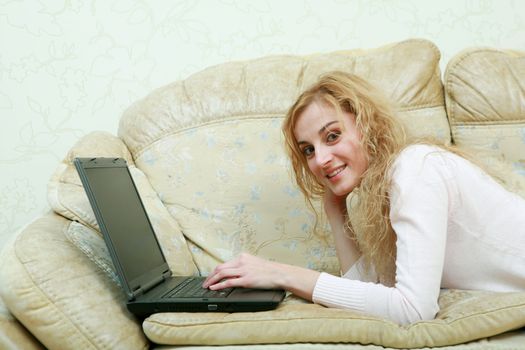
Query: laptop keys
192, 288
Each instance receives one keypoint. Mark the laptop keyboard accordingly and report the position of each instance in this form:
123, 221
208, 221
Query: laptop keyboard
192, 288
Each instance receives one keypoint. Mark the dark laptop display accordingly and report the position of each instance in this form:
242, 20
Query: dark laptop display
137, 256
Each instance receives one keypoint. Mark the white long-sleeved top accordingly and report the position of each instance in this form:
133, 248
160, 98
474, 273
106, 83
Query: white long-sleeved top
456, 228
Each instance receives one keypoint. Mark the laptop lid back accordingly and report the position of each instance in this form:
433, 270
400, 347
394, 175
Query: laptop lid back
125, 225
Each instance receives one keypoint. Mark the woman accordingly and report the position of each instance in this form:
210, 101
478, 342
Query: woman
423, 217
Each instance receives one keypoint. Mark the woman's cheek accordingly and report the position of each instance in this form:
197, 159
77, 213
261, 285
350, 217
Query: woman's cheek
314, 170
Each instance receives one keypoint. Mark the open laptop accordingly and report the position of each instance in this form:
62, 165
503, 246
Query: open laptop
135, 251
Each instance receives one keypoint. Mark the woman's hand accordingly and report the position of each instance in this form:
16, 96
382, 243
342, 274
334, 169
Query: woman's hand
249, 271
246, 271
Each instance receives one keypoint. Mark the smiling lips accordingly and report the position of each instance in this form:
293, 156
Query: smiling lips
336, 171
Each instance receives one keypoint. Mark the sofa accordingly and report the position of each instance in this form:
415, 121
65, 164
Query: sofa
207, 157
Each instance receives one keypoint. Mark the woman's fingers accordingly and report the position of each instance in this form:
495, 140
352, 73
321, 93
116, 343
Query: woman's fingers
245, 271
227, 283
220, 273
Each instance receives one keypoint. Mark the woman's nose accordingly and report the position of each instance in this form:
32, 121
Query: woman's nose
322, 156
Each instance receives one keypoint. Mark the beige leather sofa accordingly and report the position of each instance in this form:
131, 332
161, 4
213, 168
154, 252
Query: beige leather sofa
206, 154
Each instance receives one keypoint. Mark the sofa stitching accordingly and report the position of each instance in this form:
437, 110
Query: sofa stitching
255, 117
154, 140
487, 123
421, 107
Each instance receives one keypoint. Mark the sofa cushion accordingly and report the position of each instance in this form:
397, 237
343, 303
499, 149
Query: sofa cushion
93, 246
68, 198
485, 94
211, 147
65, 193
464, 316
62, 298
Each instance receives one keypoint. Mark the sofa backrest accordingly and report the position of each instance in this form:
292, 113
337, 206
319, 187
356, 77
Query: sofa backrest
485, 100
211, 146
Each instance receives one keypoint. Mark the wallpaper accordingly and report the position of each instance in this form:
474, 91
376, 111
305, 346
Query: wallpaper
68, 67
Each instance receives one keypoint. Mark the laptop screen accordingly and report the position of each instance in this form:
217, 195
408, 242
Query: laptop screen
125, 219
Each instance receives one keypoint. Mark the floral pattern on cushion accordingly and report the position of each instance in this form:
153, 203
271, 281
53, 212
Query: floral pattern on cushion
500, 147
228, 185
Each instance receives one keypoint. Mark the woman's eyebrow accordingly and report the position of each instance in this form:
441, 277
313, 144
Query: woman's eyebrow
326, 126
323, 129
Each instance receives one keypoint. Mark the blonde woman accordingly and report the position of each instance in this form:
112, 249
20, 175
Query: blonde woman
424, 218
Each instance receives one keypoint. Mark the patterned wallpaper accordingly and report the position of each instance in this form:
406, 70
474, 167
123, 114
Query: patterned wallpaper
68, 67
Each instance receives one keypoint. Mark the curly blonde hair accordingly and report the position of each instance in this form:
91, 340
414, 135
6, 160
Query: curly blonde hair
382, 137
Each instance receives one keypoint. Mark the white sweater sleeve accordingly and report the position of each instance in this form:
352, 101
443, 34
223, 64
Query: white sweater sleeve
420, 202
358, 272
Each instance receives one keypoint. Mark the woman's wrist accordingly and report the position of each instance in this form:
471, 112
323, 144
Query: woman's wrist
298, 280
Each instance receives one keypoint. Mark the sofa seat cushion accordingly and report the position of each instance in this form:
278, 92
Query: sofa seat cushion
211, 146
513, 340
464, 316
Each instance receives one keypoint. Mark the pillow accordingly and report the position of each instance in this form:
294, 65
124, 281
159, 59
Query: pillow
91, 243
464, 316
67, 197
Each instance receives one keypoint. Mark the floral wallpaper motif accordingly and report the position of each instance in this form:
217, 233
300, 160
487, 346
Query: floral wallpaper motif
68, 67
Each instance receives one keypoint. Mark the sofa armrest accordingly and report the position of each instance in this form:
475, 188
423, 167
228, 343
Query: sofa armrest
13, 335
60, 296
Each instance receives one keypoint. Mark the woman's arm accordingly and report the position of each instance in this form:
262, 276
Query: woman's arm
419, 216
252, 272
249, 271
420, 196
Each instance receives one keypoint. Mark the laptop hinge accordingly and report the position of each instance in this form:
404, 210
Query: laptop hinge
141, 289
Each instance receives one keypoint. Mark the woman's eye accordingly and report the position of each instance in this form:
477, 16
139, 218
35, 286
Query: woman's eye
308, 151
332, 136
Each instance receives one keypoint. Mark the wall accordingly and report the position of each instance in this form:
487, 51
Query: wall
68, 67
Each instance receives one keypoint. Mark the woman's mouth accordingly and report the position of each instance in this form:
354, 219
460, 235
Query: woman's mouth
335, 172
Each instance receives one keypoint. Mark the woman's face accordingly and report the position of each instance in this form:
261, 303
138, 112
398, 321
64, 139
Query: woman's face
332, 147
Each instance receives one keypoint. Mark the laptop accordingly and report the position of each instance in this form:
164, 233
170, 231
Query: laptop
139, 261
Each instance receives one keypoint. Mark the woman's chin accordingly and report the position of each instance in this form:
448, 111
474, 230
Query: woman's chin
340, 192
